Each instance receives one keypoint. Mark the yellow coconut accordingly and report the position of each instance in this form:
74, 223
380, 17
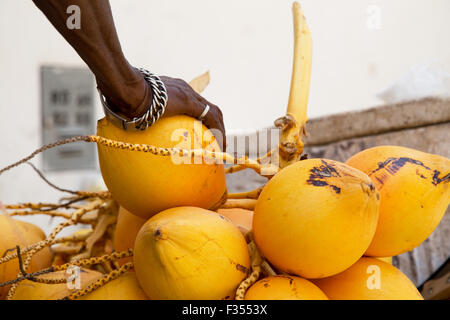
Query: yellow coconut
241, 218
13, 233
28, 227
127, 228
34, 234
415, 193
284, 287
369, 279
29, 290
124, 287
190, 253
316, 217
146, 184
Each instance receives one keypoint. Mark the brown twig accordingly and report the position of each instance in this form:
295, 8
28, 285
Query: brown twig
48, 182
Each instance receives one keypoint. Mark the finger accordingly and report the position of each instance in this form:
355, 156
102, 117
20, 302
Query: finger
214, 120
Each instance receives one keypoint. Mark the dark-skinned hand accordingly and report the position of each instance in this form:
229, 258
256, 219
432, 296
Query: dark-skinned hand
182, 99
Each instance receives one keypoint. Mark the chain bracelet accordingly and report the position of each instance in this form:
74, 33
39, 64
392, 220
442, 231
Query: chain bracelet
154, 112
159, 101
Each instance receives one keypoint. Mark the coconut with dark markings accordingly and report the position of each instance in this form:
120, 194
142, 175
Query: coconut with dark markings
316, 217
415, 193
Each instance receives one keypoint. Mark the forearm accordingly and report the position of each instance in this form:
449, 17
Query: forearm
98, 45
124, 87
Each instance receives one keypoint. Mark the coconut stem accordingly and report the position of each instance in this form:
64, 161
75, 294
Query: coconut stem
54, 214
255, 262
293, 124
96, 260
210, 157
104, 221
269, 168
258, 266
247, 283
248, 204
253, 194
68, 249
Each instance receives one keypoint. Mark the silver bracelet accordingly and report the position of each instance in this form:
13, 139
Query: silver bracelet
154, 112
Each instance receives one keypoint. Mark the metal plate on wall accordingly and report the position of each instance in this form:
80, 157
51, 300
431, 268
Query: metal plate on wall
67, 110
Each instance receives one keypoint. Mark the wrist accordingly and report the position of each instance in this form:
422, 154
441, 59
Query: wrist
131, 97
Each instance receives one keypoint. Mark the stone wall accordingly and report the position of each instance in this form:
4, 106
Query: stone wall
423, 125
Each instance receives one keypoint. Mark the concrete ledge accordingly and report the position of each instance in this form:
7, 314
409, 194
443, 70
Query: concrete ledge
377, 120
350, 125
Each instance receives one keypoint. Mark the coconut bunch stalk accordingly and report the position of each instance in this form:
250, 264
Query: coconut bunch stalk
293, 124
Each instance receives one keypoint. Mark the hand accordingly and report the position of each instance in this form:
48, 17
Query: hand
182, 99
